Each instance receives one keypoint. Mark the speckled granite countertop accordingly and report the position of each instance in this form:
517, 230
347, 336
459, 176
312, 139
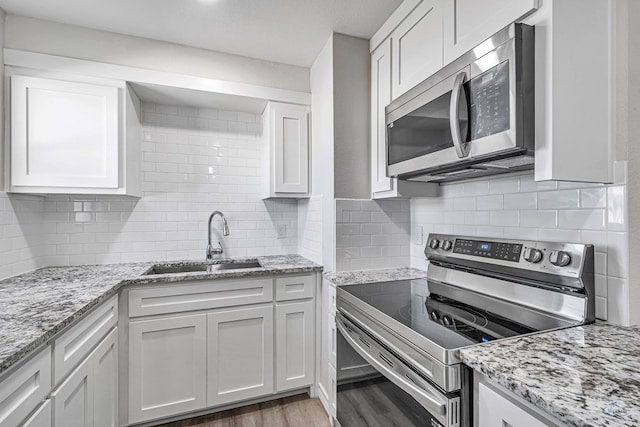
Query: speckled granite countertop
583, 376
37, 305
340, 278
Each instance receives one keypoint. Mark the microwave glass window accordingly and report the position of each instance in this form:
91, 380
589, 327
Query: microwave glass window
425, 130
489, 101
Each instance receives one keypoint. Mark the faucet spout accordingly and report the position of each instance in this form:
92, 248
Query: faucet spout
225, 232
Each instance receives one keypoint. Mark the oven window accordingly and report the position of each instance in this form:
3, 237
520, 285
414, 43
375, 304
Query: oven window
425, 131
366, 398
379, 402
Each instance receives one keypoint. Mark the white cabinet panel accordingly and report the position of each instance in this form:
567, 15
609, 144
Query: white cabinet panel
73, 400
199, 295
105, 383
380, 98
167, 362
88, 397
296, 287
63, 134
295, 343
240, 354
21, 392
286, 129
42, 417
496, 410
75, 344
417, 46
469, 22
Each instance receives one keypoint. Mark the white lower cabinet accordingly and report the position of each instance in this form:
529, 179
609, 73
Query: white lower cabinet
88, 396
497, 408
42, 416
24, 389
205, 355
294, 345
240, 354
167, 365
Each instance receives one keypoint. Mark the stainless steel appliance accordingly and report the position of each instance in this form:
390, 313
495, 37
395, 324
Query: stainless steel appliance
473, 118
398, 343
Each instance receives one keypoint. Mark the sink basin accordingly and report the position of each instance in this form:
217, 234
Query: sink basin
204, 268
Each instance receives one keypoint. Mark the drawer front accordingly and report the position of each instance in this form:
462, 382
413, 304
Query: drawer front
23, 390
296, 287
199, 295
75, 344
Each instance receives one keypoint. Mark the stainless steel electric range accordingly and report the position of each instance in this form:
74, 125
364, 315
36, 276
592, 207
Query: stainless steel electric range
398, 342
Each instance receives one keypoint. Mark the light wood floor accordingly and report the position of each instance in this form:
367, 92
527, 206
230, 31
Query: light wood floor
294, 411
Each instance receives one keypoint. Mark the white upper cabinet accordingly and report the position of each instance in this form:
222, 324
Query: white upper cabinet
417, 46
575, 91
63, 133
286, 130
382, 186
469, 22
73, 137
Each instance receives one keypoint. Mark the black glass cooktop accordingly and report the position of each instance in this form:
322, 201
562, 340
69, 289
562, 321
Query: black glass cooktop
448, 323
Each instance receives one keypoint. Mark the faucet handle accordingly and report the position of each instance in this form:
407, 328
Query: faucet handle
211, 251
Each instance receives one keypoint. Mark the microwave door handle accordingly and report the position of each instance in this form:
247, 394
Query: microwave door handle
462, 147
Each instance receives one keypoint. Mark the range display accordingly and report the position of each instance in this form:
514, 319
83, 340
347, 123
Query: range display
496, 250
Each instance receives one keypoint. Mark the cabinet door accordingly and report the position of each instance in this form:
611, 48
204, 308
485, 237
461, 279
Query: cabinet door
291, 150
468, 23
63, 134
496, 410
42, 416
105, 384
295, 340
417, 46
167, 362
240, 354
73, 400
24, 389
380, 98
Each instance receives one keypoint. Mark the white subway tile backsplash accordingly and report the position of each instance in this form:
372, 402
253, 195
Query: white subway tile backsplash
593, 197
372, 234
521, 201
539, 219
617, 300
590, 219
485, 203
504, 185
190, 169
518, 207
617, 208
618, 254
559, 199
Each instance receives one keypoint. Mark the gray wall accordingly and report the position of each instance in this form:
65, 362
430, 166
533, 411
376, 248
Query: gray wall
78, 42
351, 97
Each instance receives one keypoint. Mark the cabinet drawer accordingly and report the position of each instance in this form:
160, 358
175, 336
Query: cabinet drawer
23, 390
199, 295
298, 287
75, 344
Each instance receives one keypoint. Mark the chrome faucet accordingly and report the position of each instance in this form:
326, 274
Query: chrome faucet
225, 232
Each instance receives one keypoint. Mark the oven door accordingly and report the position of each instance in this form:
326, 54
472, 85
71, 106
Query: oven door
377, 387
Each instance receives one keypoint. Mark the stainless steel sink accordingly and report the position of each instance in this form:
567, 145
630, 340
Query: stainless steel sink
204, 268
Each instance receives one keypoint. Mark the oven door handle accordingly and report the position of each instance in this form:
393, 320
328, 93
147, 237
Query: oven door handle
430, 403
462, 147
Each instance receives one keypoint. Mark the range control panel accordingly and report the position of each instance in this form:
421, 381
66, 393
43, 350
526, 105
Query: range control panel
497, 250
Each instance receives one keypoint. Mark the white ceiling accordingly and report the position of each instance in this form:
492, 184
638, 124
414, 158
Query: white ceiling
288, 31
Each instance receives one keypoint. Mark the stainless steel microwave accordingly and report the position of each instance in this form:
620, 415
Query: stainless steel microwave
473, 118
